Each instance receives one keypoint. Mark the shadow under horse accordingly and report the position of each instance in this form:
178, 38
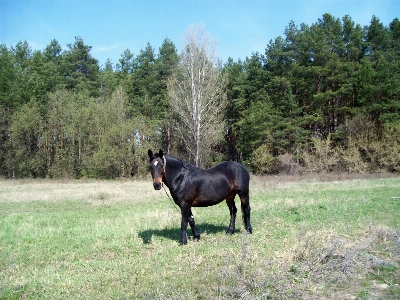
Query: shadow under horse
193, 187
169, 233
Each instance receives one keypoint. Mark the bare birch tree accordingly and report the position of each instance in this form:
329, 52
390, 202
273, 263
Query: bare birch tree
196, 93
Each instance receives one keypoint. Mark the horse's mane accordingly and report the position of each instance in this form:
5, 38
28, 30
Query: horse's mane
178, 162
188, 166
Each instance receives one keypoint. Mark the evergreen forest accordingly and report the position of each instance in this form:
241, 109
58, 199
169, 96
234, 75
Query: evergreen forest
322, 98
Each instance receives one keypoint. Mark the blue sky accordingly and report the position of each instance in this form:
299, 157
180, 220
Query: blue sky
240, 27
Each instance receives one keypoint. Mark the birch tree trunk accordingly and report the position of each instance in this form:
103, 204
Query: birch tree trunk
196, 93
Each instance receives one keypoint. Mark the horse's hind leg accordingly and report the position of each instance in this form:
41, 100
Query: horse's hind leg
245, 203
230, 201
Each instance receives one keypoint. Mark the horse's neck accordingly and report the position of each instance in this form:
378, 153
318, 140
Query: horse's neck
173, 167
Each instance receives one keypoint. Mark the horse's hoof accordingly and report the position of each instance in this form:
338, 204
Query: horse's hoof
230, 231
249, 230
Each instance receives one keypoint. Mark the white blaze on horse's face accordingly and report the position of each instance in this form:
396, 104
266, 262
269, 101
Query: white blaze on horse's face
157, 172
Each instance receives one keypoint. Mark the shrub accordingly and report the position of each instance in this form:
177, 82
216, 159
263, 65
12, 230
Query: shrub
263, 161
366, 148
352, 159
323, 158
288, 165
370, 148
384, 154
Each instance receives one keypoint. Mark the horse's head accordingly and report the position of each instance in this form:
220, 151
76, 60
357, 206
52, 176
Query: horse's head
157, 167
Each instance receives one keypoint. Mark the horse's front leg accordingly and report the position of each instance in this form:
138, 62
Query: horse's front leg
196, 234
185, 210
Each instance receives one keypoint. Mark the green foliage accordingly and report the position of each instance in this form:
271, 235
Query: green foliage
7, 77
4, 120
371, 149
27, 140
80, 69
72, 119
322, 158
78, 137
352, 159
326, 94
366, 149
310, 84
262, 162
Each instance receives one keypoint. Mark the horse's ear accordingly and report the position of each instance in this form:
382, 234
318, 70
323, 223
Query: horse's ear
161, 153
150, 153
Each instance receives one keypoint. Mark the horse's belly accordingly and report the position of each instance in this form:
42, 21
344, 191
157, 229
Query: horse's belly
211, 196
204, 202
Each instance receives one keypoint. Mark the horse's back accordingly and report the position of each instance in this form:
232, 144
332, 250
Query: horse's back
235, 172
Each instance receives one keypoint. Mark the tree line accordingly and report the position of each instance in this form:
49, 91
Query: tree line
324, 97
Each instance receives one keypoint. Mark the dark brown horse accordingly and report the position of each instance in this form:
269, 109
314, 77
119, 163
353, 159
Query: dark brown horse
194, 187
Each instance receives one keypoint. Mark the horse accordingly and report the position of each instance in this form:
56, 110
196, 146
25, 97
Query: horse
194, 187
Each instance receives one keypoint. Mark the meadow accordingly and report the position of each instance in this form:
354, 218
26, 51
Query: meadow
313, 238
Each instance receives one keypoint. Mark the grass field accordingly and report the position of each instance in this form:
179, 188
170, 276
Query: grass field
312, 239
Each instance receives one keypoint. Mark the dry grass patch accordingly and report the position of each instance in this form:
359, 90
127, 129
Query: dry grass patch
92, 192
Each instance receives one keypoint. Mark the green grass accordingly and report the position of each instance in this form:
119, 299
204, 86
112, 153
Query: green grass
120, 240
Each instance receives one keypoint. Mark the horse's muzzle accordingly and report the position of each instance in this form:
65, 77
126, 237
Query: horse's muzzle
157, 185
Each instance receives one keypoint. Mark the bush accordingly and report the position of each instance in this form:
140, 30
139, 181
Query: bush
371, 149
384, 154
288, 165
263, 162
323, 158
352, 159
366, 148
